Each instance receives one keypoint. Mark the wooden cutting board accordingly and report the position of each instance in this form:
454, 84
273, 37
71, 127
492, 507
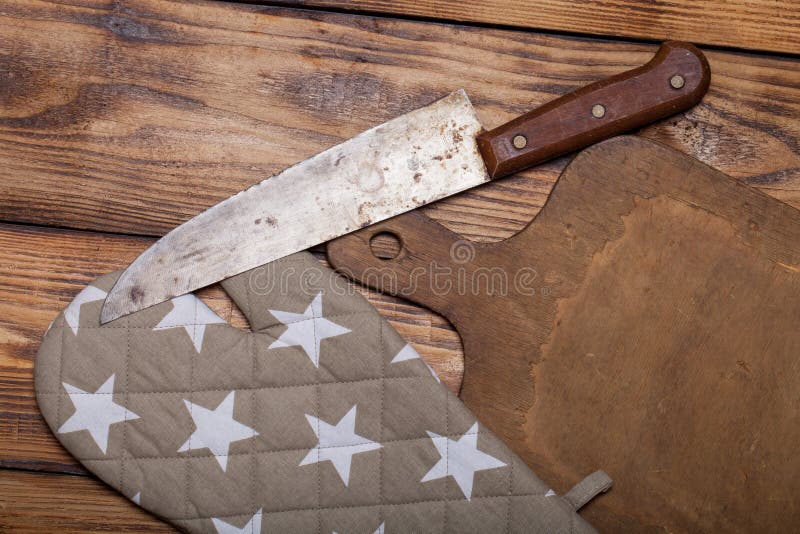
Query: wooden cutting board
646, 322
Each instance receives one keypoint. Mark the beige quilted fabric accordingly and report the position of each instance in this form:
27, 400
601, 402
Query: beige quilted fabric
321, 420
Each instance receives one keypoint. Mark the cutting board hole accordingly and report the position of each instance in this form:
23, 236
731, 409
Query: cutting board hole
385, 245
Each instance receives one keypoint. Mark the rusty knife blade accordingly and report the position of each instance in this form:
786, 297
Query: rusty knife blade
407, 162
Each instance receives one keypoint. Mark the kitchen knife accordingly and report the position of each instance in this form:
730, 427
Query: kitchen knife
407, 162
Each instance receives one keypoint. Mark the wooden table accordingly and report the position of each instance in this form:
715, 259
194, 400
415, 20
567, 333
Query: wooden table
119, 120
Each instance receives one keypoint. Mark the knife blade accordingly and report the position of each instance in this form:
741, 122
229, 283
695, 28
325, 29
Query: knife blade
412, 160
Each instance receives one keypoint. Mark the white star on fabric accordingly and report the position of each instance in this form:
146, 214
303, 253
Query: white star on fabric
252, 527
72, 314
192, 314
460, 459
95, 412
216, 429
338, 443
137, 498
306, 329
408, 353
550, 493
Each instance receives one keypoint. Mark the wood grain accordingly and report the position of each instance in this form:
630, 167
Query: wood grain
773, 25
652, 334
34, 502
41, 270
133, 117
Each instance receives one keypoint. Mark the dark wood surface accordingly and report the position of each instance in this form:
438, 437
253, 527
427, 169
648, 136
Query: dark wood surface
673, 81
128, 118
38, 502
773, 25
132, 119
643, 323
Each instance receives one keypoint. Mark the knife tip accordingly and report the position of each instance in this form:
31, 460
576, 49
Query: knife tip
121, 301
109, 311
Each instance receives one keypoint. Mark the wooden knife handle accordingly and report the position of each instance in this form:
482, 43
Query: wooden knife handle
674, 80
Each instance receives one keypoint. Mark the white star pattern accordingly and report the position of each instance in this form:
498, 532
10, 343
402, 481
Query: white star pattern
216, 429
252, 527
460, 459
72, 314
306, 329
338, 443
137, 498
550, 493
408, 353
192, 314
95, 412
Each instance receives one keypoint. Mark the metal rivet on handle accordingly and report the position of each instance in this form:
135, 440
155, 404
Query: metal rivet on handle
677, 81
598, 111
519, 141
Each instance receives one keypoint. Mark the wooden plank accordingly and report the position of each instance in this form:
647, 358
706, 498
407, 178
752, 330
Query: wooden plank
131, 119
34, 502
762, 25
42, 269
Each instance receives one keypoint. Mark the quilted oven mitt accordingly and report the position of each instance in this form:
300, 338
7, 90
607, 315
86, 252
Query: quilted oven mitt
322, 419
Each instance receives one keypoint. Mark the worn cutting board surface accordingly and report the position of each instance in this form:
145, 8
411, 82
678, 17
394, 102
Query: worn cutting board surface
645, 323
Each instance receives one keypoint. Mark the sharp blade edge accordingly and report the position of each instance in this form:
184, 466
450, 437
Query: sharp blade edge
407, 162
